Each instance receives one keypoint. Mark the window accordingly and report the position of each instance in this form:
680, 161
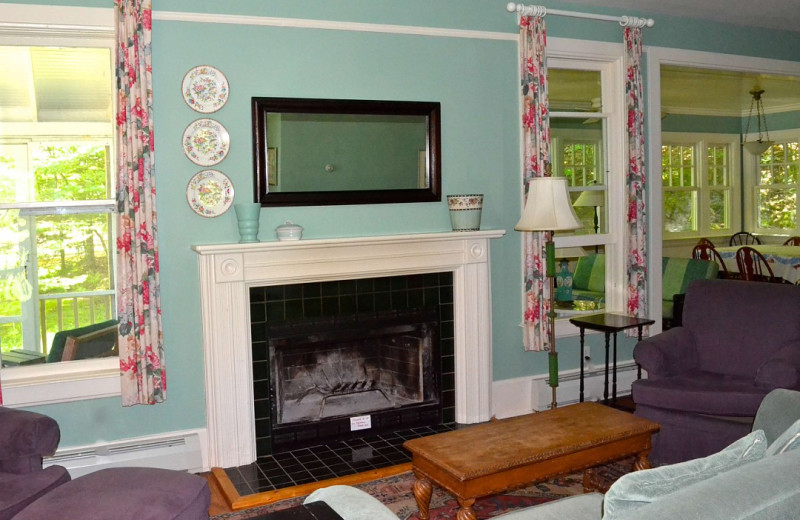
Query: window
777, 184
587, 147
56, 198
698, 173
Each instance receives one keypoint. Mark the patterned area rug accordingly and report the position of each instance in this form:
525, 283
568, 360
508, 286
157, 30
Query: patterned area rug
396, 494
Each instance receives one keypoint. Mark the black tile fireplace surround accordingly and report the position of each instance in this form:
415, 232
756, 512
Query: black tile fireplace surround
293, 312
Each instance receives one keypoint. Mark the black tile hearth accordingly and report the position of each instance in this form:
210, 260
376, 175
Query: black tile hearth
327, 461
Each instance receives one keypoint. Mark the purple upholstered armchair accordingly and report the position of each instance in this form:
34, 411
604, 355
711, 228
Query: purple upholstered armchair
706, 379
26, 437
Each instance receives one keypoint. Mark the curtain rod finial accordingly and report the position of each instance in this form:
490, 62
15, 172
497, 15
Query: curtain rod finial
511, 7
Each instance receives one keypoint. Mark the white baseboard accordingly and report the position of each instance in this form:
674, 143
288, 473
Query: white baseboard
181, 451
512, 397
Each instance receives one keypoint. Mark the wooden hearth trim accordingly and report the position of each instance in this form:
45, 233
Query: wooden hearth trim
238, 502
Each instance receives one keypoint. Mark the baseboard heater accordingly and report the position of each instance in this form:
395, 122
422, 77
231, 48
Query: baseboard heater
568, 391
181, 452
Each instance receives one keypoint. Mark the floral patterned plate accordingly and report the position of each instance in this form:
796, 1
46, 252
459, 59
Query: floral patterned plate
205, 89
210, 193
206, 142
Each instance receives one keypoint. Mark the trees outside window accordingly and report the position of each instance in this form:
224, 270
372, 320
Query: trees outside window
777, 187
56, 193
698, 178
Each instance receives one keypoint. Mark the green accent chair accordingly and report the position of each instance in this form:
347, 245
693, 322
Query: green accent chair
96, 340
589, 279
676, 275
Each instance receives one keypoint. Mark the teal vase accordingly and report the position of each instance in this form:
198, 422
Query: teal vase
247, 214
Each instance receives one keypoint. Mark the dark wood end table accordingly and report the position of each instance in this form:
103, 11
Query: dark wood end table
608, 323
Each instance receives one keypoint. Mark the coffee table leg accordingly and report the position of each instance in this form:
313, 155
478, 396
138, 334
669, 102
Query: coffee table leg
423, 489
642, 462
466, 512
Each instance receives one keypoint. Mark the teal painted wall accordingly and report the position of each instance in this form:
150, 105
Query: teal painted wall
474, 79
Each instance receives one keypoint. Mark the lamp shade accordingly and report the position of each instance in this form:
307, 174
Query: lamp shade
570, 252
757, 147
590, 198
548, 207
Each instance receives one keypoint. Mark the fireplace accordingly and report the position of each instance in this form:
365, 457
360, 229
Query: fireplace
228, 272
344, 359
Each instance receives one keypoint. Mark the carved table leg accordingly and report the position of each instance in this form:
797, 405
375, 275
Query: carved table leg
423, 489
642, 462
466, 512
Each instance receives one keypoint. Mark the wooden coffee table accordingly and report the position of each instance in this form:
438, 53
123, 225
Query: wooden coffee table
490, 458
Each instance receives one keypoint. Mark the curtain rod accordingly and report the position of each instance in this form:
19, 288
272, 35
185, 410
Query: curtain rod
540, 10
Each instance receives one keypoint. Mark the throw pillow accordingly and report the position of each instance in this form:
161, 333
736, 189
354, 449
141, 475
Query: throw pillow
642, 487
787, 441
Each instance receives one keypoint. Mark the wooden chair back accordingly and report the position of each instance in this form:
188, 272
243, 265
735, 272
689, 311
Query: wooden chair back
743, 238
707, 252
104, 343
705, 241
753, 267
792, 241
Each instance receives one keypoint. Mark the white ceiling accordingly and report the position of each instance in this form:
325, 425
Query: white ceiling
771, 14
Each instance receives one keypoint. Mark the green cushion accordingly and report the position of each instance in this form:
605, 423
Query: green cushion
678, 273
91, 347
643, 487
590, 273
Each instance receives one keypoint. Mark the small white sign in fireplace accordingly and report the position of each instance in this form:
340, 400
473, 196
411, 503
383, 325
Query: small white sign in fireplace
362, 422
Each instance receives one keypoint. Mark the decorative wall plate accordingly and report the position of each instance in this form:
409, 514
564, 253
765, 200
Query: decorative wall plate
210, 193
205, 89
206, 142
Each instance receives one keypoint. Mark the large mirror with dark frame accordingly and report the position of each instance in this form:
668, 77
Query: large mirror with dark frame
332, 151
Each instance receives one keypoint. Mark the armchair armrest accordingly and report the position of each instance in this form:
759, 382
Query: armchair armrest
25, 437
782, 369
666, 354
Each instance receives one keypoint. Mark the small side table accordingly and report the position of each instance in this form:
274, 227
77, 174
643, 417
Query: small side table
608, 323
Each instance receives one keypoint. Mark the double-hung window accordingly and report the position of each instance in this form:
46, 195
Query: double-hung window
57, 219
587, 148
777, 183
699, 175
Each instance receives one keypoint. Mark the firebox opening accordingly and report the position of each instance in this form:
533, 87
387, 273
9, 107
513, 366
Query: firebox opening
331, 370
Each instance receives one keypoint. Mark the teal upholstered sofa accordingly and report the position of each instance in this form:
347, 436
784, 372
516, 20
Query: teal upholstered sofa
677, 274
756, 478
589, 279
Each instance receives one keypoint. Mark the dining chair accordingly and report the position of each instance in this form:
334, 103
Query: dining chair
743, 238
753, 267
792, 241
707, 252
705, 241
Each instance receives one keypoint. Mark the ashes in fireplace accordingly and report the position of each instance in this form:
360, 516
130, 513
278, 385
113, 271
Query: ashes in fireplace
334, 369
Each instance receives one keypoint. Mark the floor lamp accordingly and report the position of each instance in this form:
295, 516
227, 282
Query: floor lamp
548, 209
591, 199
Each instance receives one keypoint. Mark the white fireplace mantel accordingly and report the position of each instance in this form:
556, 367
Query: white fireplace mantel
227, 271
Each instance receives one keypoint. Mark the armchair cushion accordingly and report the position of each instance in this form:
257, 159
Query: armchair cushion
18, 491
781, 369
642, 487
788, 440
25, 437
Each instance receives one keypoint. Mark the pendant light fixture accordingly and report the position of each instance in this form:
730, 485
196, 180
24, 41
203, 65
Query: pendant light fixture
760, 146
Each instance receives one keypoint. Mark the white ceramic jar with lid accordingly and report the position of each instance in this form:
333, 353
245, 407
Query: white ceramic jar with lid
289, 231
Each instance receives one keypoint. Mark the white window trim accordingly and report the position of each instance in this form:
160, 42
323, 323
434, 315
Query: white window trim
751, 188
590, 55
702, 140
22, 24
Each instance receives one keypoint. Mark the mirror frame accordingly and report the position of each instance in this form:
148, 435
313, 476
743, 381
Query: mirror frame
261, 106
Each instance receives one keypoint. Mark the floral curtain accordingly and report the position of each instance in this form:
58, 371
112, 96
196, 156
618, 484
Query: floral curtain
536, 163
141, 340
636, 233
